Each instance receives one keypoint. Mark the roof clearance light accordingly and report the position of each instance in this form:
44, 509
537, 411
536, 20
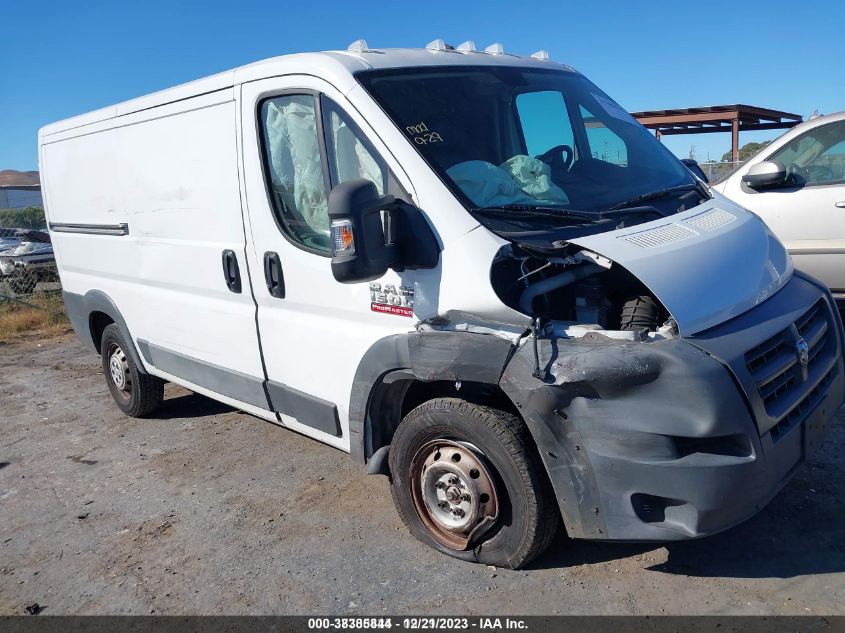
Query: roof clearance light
543, 56
358, 46
495, 49
467, 47
437, 45
343, 239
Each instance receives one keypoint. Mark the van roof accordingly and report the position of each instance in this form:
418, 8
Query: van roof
337, 67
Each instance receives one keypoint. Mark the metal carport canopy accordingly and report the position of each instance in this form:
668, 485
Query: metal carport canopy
721, 118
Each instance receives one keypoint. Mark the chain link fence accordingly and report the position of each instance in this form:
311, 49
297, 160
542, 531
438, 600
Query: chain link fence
30, 292
719, 170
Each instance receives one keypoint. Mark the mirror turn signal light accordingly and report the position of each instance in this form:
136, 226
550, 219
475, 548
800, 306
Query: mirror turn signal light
343, 241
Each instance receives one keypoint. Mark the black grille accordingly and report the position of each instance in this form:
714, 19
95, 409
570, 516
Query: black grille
803, 409
813, 327
774, 364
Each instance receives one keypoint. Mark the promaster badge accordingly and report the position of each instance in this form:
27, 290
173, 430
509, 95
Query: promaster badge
388, 299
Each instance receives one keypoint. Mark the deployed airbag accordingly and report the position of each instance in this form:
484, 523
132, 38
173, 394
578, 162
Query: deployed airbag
533, 176
519, 180
295, 160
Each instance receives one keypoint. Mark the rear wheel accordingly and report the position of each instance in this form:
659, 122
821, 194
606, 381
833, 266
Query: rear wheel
135, 393
467, 481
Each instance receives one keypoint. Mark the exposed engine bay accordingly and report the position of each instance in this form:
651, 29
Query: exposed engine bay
575, 292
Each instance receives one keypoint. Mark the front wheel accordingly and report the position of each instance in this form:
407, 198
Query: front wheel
467, 481
136, 394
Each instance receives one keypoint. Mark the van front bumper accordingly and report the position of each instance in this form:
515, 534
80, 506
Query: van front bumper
674, 439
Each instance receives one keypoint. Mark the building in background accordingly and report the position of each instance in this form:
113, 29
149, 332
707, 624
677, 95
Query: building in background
17, 197
19, 189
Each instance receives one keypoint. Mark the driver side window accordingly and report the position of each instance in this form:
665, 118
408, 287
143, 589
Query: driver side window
294, 168
349, 153
298, 181
817, 157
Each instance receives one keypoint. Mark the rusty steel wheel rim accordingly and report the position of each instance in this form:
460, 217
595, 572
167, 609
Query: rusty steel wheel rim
453, 490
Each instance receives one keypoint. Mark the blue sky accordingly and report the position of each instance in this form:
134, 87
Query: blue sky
58, 59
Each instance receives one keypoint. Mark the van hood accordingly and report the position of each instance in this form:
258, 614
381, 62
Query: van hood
706, 265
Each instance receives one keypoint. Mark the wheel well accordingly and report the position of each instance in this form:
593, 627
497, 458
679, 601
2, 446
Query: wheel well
97, 322
421, 391
393, 401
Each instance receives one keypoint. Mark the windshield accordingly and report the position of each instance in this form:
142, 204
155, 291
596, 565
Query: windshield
521, 138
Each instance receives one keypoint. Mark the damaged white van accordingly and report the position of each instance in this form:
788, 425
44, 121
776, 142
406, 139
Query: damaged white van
473, 271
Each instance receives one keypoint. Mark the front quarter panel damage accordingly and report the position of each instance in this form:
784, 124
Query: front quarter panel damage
605, 405
611, 419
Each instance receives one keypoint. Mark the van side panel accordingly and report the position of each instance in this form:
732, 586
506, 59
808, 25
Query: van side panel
170, 176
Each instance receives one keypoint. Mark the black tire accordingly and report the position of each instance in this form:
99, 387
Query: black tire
528, 517
642, 312
139, 394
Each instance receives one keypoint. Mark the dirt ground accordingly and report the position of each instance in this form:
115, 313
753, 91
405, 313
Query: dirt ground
203, 509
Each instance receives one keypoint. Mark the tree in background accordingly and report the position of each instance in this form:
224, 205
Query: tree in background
746, 151
24, 218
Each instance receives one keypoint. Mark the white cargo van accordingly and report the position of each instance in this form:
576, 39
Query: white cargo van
473, 271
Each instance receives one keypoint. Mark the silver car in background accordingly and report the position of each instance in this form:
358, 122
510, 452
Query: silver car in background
26, 258
797, 186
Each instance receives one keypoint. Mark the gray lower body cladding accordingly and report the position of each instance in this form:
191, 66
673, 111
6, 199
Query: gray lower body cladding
670, 440
79, 309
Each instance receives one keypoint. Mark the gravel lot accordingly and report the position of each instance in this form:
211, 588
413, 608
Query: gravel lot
207, 510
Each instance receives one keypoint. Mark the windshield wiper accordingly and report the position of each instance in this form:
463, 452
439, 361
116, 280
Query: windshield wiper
654, 195
531, 209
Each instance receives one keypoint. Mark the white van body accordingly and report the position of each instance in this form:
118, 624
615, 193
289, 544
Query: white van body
145, 197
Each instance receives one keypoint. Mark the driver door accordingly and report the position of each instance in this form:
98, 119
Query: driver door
299, 140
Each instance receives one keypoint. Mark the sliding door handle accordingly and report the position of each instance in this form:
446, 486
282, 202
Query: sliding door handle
840, 204
273, 275
231, 272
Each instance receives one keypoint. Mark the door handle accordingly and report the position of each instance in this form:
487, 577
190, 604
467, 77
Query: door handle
273, 275
231, 272
840, 204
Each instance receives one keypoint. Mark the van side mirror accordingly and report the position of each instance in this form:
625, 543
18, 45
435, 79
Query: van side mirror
371, 233
769, 173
